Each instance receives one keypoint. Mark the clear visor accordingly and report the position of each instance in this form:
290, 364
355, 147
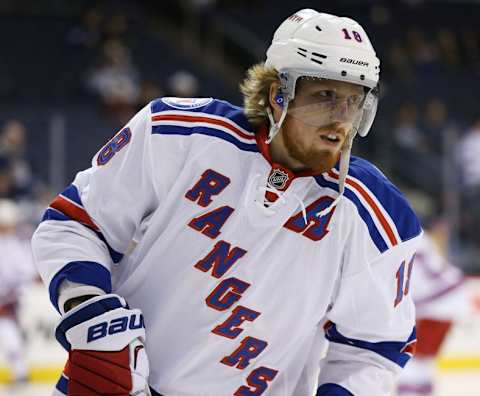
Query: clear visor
320, 102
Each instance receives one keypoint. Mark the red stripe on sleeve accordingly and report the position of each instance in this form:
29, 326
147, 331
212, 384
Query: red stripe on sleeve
373, 205
73, 211
214, 121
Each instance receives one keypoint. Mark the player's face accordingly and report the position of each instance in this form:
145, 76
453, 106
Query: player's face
318, 121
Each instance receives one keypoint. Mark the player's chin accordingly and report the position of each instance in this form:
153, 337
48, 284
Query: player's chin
322, 160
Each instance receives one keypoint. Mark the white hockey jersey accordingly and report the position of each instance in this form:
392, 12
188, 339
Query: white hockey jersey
236, 294
16, 267
438, 287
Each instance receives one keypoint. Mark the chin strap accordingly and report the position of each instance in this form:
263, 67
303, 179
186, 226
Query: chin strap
275, 126
343, 171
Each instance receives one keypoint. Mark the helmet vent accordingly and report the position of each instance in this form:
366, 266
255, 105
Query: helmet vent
319, 55
302, 51
315, 56
318, 28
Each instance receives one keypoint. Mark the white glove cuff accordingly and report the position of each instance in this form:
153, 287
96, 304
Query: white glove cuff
69, 290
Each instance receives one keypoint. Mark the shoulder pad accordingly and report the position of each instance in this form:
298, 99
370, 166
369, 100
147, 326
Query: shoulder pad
384, 209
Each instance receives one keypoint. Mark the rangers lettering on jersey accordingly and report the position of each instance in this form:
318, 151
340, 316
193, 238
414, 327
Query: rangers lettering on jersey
228, 291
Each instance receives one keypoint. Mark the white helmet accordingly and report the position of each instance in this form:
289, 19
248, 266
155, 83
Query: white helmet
314, 44
319, 45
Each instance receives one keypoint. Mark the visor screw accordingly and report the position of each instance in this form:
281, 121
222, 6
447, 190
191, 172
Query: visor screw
344, 73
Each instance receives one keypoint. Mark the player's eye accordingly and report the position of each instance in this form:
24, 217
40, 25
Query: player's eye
325, 95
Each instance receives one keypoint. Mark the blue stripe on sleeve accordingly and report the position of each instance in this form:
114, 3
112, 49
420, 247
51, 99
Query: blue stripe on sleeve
367, 218
84, 272
115, 256
216, 107
230, 111
179, 130
332, 390
62, 384
53, 214
391, 350
86, 313
392, 200
362, 211
71, 192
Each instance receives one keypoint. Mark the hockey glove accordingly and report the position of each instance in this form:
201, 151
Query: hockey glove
105, 344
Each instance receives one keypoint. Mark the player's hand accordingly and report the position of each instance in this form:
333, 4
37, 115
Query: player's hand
106, 354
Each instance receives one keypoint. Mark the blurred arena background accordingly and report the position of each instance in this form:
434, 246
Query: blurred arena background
73, 72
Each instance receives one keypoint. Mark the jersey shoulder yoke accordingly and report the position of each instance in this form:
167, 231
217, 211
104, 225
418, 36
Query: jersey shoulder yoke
204, 116
389, 218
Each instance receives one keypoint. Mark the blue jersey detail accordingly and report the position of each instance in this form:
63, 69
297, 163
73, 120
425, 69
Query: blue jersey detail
388, 195
114, 255
88, 312
391, 199
84, 272
179, 130
332, 390
391, 350
53, 214
71, 192
62, 385
214, 107
362, 211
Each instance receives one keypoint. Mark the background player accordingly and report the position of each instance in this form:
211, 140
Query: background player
441, 298
16, 272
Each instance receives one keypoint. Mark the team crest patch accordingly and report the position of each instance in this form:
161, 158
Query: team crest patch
278, 178
186, 103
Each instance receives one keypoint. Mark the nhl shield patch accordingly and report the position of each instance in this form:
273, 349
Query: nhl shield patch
278, 178
186, 103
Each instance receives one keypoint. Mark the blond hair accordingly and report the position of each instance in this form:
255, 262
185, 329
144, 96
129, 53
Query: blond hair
256, 90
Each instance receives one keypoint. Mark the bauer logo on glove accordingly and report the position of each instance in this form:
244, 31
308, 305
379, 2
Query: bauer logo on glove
115, 326
106, 354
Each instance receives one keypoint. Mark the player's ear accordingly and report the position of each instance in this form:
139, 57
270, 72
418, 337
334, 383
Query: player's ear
276, 99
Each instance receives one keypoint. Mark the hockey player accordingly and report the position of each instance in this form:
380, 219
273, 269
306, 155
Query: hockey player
441, 297
16, 271
241, 239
